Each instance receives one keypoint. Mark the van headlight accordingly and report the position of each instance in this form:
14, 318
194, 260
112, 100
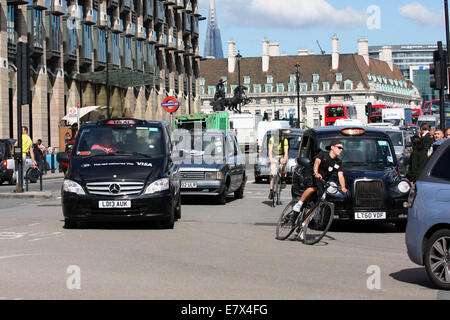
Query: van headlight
403, 186
73, 187
158, 186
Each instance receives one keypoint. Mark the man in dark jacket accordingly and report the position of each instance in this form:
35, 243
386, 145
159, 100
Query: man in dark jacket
419, 155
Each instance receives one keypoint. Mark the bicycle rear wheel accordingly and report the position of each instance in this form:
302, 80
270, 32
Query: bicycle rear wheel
318, 223
286, 222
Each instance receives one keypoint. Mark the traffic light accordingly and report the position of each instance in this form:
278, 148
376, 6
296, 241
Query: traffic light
438, 69
266, 116
277, 115
369, 109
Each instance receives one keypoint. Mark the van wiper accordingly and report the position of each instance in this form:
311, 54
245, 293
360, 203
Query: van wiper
134, 153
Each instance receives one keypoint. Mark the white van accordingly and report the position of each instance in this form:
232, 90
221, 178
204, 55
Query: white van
245, 127
265, 126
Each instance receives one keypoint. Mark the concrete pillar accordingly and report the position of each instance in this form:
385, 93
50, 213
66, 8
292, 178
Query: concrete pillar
335, 53
39, 108
231, 56
265, 55
363, 49
56, 108
4, 88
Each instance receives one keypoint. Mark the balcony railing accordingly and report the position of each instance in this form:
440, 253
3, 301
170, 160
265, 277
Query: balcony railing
35, 31
99, 48
160, 12
69, 39
86, 46
152, 36
53, 31
148, 10
126, 6
126, 52
162, 40
139, 55
113, 3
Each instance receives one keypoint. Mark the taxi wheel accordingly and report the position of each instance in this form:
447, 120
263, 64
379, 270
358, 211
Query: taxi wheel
178, 209
69, 224
169, 222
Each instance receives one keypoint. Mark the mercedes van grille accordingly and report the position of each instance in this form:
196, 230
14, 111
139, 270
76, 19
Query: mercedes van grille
115, 188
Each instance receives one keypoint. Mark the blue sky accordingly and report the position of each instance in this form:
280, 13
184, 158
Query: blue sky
297, 24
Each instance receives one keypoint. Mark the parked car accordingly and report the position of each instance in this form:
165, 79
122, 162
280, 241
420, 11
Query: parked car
6, 150
376, 190
262, 166
211, 164
428, 230
121, 170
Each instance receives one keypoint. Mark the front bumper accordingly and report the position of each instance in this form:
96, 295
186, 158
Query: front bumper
143, 207
204, 187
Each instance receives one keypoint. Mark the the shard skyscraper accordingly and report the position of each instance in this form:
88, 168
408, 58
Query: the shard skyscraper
213, 42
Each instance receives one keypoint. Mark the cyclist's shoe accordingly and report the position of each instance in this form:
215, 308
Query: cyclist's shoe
301, 235
271, 195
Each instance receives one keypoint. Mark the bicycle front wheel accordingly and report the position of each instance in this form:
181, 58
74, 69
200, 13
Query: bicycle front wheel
286, 222
275, 191
318, 223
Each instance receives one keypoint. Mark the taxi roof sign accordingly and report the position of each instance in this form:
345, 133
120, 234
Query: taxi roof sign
121, 122
353, 131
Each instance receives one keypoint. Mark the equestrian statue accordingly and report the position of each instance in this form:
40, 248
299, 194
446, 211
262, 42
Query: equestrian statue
220, 102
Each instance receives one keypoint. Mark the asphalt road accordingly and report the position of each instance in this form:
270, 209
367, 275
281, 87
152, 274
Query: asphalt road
214, 252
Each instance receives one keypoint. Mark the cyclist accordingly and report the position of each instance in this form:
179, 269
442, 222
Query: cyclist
278, 155
325, 164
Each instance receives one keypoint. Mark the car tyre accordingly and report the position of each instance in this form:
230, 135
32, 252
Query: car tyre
169, 222
239, 193
178, 209
69, 224
400, 226
438, 258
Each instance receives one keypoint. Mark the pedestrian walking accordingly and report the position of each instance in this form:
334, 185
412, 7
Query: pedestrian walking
422, 149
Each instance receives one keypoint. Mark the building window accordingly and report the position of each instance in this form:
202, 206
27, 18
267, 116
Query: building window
257, 101
257, 88
268, 88
348, 85
316, 99
269, 79
202, 90
211, 90
315, 87
326, 86
315, 78
292, 78
338, 77
291, 87
280, 87
348, 98
292, 100
303, 87
246, 80
202, 81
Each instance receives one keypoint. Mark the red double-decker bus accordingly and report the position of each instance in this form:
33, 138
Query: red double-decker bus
375, 115
338, 111
432, 107
416, 113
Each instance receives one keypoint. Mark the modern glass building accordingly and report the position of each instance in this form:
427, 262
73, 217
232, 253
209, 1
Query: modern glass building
151, 47
213, 41
414, 62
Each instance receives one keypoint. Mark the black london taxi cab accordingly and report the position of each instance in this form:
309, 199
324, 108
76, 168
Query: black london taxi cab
376, 190
121, 170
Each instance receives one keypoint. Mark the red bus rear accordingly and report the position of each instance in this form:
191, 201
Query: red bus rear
338, 111
375, 116
416, 113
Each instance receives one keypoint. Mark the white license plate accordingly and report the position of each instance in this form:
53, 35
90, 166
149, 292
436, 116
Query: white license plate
113, 204
370, 215
188, 184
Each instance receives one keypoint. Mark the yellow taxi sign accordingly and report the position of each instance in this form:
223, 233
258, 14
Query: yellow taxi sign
353, 131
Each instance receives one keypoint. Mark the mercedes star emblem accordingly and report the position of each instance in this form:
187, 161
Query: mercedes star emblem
114, 188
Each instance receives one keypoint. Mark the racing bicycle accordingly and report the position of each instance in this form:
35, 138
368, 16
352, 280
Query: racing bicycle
312, 222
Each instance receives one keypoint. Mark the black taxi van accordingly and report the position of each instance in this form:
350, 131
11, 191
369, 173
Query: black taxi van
376, 190
121, 170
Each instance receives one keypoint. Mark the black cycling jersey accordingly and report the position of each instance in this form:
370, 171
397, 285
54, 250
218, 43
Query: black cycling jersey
328, 165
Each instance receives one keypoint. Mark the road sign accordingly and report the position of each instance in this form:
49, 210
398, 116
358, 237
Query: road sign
170, 104
73, 112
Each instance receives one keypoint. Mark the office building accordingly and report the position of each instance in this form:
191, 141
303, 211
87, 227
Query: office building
153, 52
335, 78
213, 41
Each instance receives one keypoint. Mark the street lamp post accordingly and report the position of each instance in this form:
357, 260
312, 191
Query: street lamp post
107, 74
297, 66
106, 30
238, 56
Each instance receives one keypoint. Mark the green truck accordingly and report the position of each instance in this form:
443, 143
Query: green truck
217, 120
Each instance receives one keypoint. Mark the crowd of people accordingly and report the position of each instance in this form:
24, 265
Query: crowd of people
422, 149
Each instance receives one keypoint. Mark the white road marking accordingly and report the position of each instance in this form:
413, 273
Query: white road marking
33, 224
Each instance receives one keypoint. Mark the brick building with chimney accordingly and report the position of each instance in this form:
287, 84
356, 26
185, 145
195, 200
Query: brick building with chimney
335, 78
